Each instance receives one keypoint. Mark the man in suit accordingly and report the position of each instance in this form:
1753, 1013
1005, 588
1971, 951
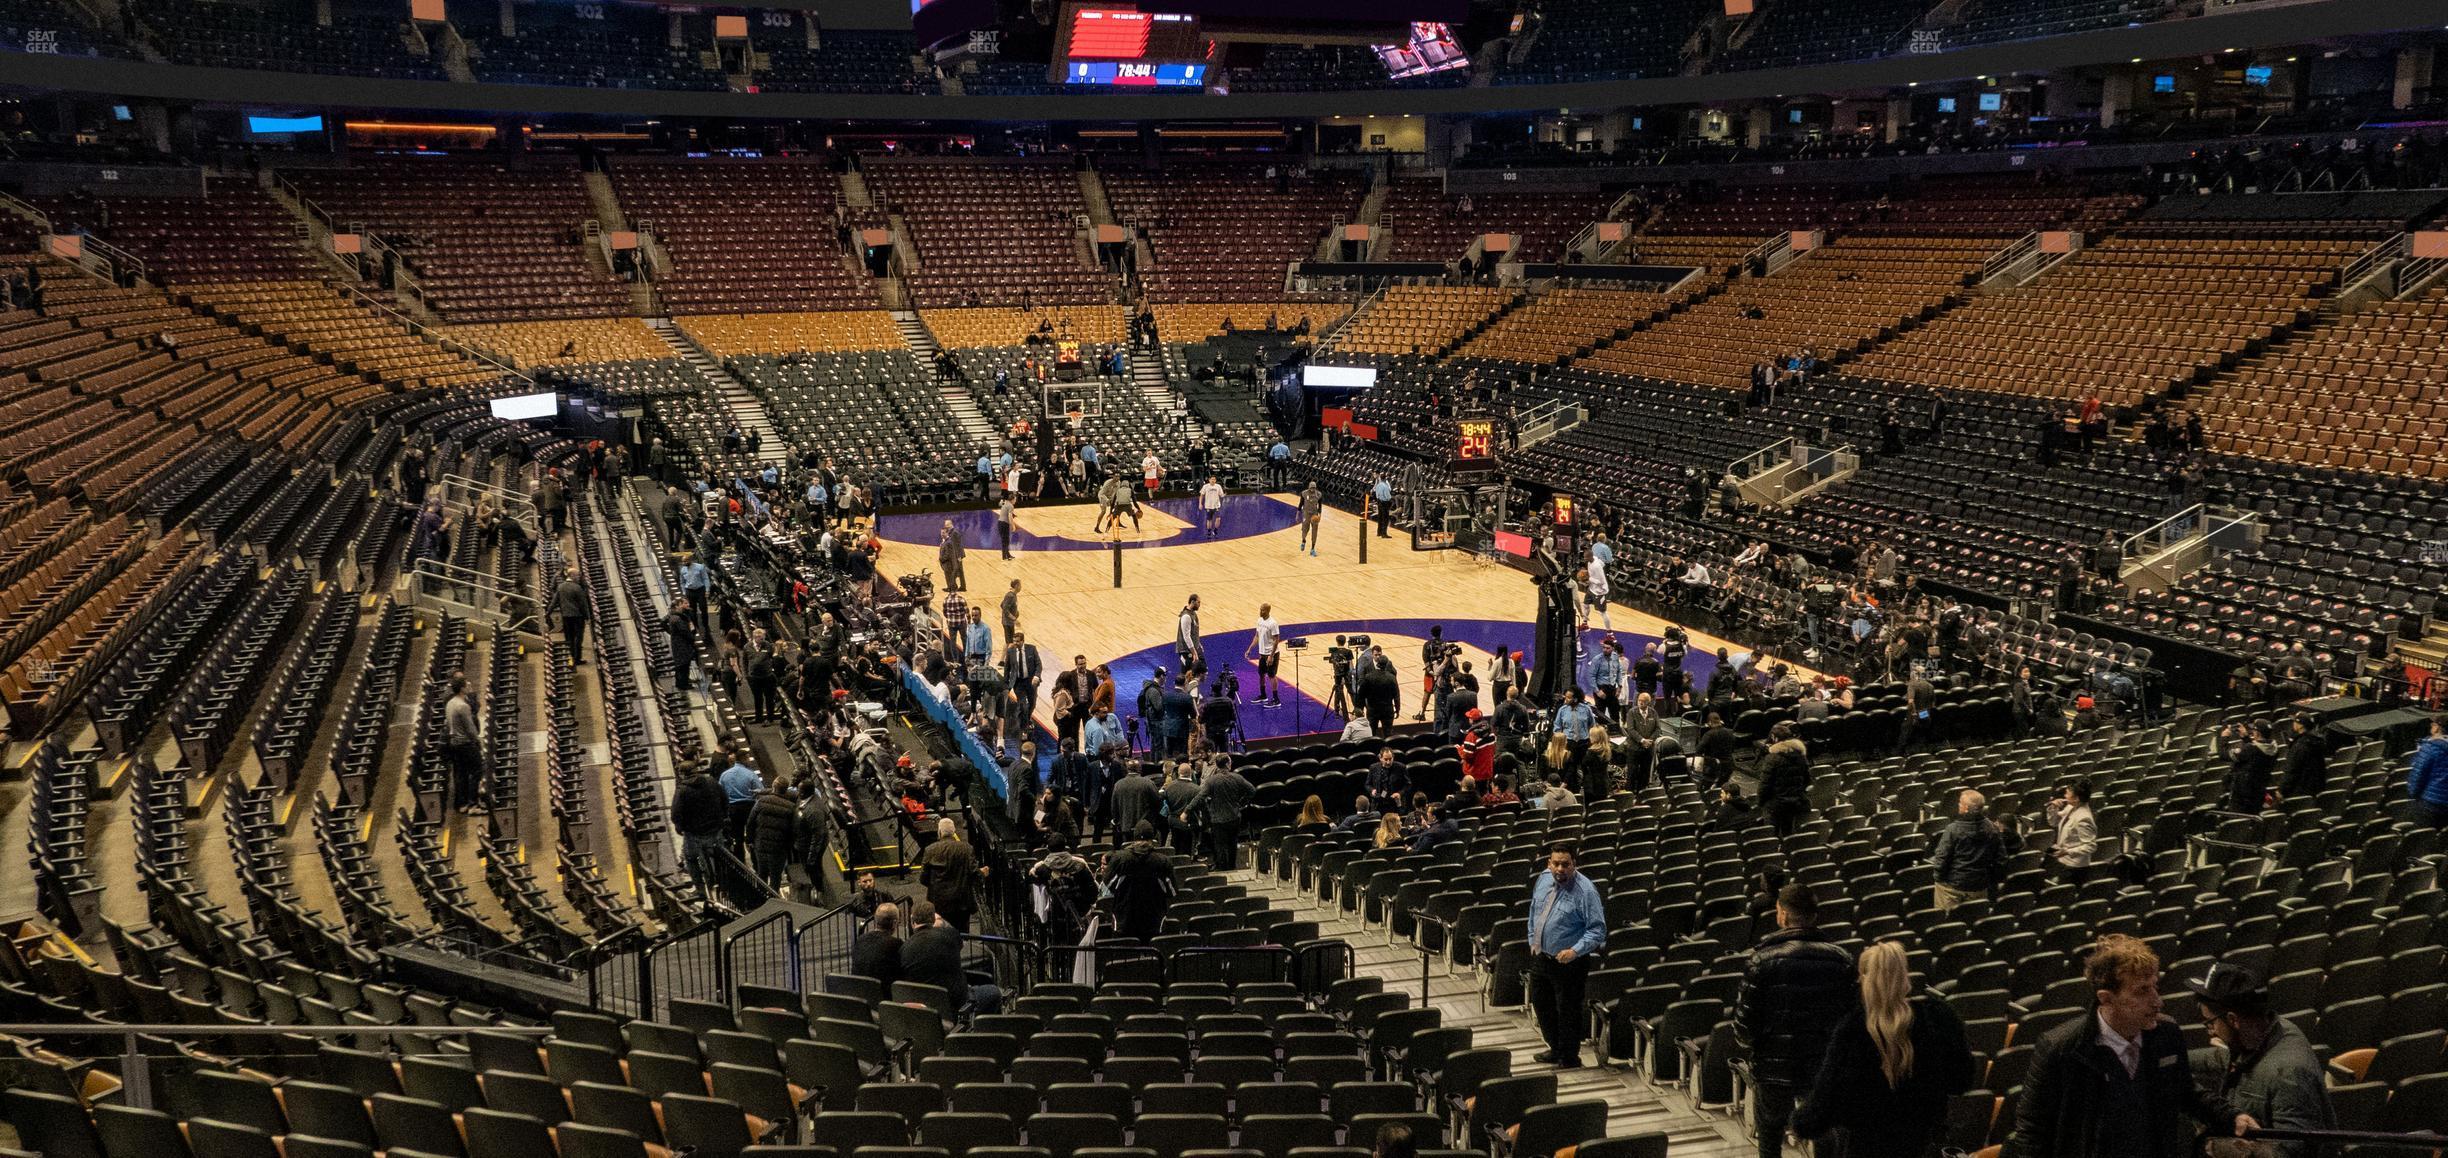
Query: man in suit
2116, 1084
950, 553
1022, 668
1134, 799
1074, 686
1221, 798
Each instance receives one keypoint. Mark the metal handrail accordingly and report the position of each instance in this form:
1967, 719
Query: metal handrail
467, 349
2200, 518
26, 209
2369, 261
1762, 459
1767, 250
2007, 258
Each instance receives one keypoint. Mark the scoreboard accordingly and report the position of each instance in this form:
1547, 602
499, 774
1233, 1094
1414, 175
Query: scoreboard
1112, 44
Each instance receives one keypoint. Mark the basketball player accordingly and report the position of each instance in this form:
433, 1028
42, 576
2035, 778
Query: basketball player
1265, 647
1211, 503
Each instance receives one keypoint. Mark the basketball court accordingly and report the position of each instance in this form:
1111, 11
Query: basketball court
1069, 604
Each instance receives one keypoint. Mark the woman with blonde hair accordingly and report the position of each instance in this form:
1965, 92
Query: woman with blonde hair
1596, 766
1891, 1066
1558, 758
1390, 830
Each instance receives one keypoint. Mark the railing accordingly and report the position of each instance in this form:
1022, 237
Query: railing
1312, 965
136, 1056
1547, 421
2199, 519
2159, 555
459, 346
1765, 254
2414, 274
2006, 259
41, 219
2375, 260
478, 592
314, 210
1764, 459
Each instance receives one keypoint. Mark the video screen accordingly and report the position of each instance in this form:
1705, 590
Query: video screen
1432, 48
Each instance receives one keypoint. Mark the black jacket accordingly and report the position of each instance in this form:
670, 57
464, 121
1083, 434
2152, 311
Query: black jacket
877, 955
2307, 766
2250, 767
2064, 1096
1133, 799
815, 833
932, 956
1968, 851
1380, 692
697, 807
773, 826
1141, 877
1785, 774
1875, 1119
1221, 797
1796, 989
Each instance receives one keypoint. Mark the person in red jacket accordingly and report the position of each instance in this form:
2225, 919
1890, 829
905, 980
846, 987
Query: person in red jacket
1478, 752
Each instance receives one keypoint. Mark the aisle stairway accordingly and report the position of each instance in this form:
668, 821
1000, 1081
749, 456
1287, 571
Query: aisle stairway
1634, 1105
1148, 377
974, 425
743, 404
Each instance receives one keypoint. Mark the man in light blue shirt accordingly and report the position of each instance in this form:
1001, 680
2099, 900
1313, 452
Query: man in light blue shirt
1279, 460
1102, 730
697, 583
1601, 553
985, 475
1572, 717
740, 785
1567, 929
1381, 494
979, 642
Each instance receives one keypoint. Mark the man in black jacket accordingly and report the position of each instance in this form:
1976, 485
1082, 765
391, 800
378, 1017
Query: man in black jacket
1796, 988
2307, 760
697, 814
1380, 698
570, 606
877, 952
1141, 879
1221, 798
932, 956
1970, 850
2116, 1084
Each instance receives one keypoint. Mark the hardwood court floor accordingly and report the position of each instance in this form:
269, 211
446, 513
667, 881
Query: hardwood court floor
1070, 606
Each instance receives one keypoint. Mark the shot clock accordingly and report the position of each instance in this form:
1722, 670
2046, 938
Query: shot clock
1477, 446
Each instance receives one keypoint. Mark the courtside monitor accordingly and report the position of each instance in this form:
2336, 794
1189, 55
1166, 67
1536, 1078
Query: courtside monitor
523, 406
1338, 377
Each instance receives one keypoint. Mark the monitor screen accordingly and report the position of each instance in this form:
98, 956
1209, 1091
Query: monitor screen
264, 126
1432, 48
1946, 104
521, 406
2258, 75
2164, 82
1991, 102
1339, 377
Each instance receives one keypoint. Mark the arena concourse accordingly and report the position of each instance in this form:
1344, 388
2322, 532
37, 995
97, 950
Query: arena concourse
1216, 579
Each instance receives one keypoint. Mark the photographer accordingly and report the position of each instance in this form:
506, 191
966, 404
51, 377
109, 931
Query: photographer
1218, 716
2077, 842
